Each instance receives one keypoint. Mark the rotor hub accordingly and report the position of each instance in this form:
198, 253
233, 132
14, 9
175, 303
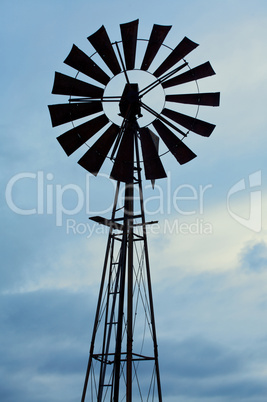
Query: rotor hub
129, 104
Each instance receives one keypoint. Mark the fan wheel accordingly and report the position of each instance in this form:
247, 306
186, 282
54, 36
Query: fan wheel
122, 98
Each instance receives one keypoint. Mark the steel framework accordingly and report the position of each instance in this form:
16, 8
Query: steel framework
121, 352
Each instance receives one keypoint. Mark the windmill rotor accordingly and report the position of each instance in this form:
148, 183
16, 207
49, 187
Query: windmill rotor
87, 100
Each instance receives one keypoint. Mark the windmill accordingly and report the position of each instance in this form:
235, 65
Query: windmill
123, 358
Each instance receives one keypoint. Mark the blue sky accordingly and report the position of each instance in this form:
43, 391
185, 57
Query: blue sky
208, 254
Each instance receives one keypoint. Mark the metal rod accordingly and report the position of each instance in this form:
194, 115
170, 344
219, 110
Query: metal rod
148, 275
107, 336
91, 99
128, 227
161, 80
100, 297
152, 111
117, 359
130, 296
123, 65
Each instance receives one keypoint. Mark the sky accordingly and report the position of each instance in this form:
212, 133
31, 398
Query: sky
208, 254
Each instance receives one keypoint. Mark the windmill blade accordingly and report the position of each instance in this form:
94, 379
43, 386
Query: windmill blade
66, 112
202, 71
177, 147
191, 123
181, 50
65, 85
129, 40
80, 61
158, 34
203, 99
101, 42
77, 136
94, 158
123, 165
152, 163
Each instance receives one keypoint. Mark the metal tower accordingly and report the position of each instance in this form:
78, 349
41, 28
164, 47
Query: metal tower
124, 322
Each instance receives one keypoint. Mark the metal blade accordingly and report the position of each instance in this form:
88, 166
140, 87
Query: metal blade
77, 136
181, 50
158, 34
65, 85
191, 123
203, 99
202, 71
101, 42
129, 38
152, 163
80, 61
94, 158
123, 166
177, 147
66, 112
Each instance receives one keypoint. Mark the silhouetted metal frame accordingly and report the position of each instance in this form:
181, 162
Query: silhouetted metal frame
125, 265
100, 295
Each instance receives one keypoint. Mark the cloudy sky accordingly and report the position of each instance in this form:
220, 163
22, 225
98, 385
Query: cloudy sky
208, 253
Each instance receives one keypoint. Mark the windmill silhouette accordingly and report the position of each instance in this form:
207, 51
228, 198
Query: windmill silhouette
123, 358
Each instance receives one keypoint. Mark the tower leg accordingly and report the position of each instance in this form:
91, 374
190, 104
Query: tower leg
100, 297
151, 303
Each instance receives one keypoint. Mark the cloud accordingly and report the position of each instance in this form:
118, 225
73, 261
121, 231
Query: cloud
212, 341
202, 369
253, 257
210, 309
201, 358
45, 340
44, 344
